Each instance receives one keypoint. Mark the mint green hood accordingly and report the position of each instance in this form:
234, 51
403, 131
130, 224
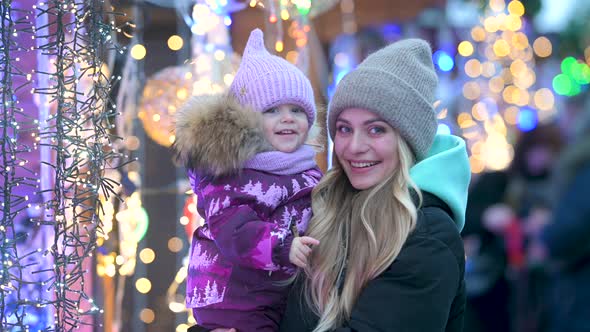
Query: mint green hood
445, 173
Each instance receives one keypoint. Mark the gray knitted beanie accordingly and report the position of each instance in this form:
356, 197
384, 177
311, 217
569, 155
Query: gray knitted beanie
398, 83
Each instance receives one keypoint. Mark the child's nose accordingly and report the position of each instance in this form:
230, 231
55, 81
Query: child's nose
287, 117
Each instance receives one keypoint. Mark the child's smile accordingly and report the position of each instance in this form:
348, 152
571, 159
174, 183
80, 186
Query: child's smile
285, 127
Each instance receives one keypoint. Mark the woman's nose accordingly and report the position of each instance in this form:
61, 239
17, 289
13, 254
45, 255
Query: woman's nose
357, 143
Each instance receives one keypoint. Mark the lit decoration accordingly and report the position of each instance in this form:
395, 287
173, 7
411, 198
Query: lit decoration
210, 71
574, 77
501, 83
175, 42
299, 12
443, 60
50, 271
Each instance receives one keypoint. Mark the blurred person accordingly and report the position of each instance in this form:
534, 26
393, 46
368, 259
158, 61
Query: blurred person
488, 290
566, 240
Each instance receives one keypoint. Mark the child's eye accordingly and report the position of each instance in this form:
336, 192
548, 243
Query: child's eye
271, 111
376, 130
297, 110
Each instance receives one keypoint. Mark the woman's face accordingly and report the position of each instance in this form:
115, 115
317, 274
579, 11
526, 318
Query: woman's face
366, 146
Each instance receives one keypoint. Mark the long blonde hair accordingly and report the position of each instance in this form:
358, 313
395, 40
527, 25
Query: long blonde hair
360, 233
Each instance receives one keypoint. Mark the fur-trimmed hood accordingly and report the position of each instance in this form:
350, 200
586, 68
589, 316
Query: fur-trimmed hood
215, 135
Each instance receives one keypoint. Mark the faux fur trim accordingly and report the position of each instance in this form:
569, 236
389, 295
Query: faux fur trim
216, 135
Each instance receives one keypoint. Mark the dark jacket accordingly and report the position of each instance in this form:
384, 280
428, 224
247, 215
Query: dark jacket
567, 241
423, 289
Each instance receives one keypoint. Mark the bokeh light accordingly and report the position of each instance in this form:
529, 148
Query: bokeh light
542, 47
175, 42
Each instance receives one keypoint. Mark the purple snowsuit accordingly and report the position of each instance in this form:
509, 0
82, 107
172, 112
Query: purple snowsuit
240, 256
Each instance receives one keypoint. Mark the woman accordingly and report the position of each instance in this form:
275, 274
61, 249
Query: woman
390, 256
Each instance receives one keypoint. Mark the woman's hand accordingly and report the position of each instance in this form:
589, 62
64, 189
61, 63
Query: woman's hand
300, 250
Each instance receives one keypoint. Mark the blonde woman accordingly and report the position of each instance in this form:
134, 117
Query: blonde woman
389, 257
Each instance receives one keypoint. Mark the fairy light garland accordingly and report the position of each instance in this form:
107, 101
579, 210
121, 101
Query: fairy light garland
77, 133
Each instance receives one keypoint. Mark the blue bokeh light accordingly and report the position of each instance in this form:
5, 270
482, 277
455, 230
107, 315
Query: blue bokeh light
527, 119
443, 60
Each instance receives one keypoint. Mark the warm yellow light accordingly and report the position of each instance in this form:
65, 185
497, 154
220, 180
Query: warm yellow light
110, 270
175, 244
511, 115
491, 24
471, 90
501, 48
523, 97
252, 3
184, 220
465, 121
478, 34
182, 93
465, 48
520, 41
175, 42
147, 316
156, 117
300, 42
473, 68
182, 327
479, 111
228, 79
544, 99
477, 165
518, 68
279, 46
171, 138
506, 76
497, 5
526, 80
138, 52
508, 94
120, 260
284, 15
292, 56
516, 8
513, 23
542, 47
496, 84
147, 255
219, 55
176, 307
488, 69
143, 285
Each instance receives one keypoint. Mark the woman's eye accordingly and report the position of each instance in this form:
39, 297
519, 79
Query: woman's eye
343, 129
376, 130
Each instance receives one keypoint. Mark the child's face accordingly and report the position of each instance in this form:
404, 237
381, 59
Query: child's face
285, 127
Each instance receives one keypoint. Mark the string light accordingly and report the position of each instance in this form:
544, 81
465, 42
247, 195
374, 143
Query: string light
502, 76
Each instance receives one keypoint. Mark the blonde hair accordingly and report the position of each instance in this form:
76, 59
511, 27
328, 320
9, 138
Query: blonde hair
360, 233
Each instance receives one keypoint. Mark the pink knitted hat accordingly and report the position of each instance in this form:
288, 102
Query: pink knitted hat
264, 81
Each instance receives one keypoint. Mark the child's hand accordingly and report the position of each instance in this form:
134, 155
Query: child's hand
300, 249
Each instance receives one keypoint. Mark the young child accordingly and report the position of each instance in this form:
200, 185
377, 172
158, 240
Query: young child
253, 177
